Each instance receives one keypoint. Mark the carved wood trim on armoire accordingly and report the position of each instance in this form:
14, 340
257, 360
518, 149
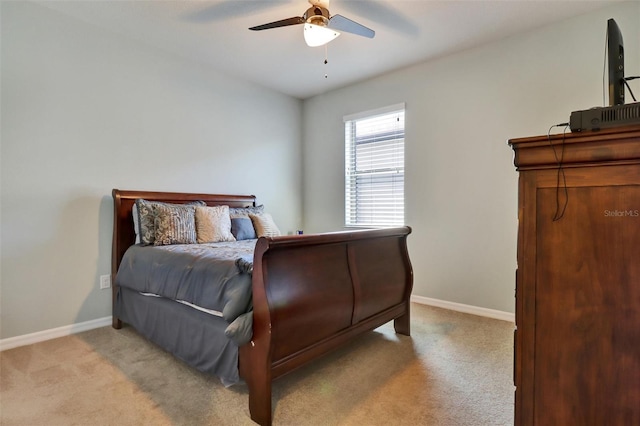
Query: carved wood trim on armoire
577, 338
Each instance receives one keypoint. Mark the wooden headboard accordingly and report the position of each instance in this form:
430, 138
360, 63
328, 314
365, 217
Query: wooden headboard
123, 232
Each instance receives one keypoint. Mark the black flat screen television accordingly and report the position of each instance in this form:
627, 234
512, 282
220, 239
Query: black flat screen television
615, 55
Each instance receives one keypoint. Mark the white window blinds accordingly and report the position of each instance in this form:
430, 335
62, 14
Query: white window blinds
374, 168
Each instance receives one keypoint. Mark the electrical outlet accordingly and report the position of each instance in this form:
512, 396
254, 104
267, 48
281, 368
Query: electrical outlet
105, 281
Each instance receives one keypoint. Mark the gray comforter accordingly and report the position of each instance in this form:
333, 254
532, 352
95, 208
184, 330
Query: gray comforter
212, 276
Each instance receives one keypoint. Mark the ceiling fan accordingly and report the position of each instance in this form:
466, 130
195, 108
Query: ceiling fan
319, 26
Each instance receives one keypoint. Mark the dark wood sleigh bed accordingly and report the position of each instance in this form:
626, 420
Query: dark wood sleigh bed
311, 293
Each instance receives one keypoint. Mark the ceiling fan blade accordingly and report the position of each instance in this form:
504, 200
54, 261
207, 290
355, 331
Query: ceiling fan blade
282, 23
384, 14
340, 23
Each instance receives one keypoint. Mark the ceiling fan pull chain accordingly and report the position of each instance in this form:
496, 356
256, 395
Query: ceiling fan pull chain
325, 58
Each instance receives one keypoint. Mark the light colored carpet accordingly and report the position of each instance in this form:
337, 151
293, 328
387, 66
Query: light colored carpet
455, 369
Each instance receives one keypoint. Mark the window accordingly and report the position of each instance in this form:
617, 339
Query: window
374, 168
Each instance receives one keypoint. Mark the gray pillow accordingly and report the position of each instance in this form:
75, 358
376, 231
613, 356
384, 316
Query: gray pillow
242, 228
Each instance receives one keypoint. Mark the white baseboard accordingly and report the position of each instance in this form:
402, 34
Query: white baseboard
467, 309
41, 336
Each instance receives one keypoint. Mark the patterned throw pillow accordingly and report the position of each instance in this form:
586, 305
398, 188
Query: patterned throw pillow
146, 228
245, 211
264, 225
213, 224
146, 218
175, 224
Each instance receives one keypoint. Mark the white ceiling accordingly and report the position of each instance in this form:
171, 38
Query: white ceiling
407, 32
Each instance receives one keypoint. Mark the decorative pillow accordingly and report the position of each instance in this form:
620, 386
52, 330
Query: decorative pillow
146, 218
175, 224
145, 227
264, 225
242, 228
245, 211
213, 224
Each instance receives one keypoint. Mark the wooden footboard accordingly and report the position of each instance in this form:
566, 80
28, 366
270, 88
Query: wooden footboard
313, 293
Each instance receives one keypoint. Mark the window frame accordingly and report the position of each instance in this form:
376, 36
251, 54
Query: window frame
390, 178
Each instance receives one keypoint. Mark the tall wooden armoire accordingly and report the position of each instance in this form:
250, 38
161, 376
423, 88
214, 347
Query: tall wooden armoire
577, 339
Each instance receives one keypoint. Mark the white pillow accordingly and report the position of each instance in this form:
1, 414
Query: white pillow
213, 224
264, 225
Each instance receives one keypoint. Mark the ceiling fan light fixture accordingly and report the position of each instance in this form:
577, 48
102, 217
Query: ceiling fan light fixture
316, 32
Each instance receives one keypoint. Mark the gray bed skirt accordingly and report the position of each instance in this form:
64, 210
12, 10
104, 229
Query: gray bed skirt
192, 336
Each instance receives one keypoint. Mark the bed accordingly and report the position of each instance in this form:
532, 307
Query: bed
309, 294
